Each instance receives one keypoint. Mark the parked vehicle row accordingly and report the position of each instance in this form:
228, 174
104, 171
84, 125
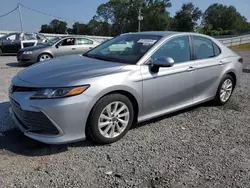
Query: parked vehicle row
13, 42
58, 46
128, 79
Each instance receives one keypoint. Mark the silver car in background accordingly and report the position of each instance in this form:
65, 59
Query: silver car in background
131, 78
58, 46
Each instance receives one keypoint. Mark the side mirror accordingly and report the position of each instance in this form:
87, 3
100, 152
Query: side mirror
161, 62
57, 46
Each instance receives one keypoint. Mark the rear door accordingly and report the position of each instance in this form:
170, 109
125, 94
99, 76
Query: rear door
11, 44
209, 67
65, 47
83, 45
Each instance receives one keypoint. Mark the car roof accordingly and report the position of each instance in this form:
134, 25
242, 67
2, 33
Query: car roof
158, 33
167, 33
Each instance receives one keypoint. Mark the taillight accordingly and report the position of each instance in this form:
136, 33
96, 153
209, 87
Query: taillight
240, 60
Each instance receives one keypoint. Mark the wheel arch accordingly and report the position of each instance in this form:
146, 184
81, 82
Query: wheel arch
131, 96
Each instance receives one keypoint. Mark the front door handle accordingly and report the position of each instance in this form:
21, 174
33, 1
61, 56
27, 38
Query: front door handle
190, 69
73, 49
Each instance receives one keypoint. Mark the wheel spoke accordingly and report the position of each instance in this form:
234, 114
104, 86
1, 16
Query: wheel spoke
104, 124
123, 122
112, 131
105, 117
123, 115
107, 129
108, 109
118, 127
123, 107
115, 107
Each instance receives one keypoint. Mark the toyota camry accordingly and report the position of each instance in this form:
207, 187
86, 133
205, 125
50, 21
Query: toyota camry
129, 79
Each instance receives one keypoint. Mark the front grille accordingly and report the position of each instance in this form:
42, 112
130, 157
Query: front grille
35, 122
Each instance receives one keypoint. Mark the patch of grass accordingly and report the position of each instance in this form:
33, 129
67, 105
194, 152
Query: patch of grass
241, 47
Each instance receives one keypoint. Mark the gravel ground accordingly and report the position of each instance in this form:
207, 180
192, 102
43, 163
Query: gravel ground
204, 146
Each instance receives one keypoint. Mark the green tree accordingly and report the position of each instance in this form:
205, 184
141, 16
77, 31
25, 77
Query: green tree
46, 29
123, 14
100, 28
81, 29
226, 18
186, 19
55, 26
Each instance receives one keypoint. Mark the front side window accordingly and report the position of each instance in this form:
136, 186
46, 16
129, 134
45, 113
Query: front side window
203, 47
12, 37
83, 41
125, 48
67, 42
177, 48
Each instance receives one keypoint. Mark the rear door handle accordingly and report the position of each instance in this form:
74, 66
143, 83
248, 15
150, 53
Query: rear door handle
223, 62
190, 69
73, 49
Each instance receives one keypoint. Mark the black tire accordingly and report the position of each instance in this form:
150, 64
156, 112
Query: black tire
217, 100
92, 124
38, 59
1, 52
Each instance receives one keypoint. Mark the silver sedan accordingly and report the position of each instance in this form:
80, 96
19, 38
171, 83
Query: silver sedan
131, 78
58, 46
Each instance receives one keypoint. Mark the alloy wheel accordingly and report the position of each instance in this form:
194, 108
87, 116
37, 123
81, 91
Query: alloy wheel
226, 90
114, 119
44, 57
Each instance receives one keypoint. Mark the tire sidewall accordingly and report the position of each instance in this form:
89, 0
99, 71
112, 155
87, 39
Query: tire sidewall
219, 89
97, 110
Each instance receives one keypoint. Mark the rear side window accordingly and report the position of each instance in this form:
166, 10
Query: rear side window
203, 47
82, 41
216, 50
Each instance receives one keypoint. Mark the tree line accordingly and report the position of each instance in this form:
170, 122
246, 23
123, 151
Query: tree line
121, 16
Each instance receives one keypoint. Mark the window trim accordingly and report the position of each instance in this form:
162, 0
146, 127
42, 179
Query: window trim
164, 42
213, 44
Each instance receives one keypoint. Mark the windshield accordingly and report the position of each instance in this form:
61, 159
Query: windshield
52, 41
125, 48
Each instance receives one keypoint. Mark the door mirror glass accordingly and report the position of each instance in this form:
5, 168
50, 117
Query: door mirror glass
163, 62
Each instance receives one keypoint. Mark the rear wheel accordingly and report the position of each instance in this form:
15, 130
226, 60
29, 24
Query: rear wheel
44, 57
225, 90
110, 119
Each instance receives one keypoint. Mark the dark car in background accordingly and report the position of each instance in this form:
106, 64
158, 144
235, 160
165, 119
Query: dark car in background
13, 42
58, 46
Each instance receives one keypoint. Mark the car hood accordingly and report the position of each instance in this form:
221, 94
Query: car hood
67, 71
33, 48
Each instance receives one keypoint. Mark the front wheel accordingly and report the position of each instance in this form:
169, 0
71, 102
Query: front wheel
110, 119
225, 90
43, 57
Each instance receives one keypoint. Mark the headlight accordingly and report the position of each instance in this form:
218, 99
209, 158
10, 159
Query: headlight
51, 93
27, 52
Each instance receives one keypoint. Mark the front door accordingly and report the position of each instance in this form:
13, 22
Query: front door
171, 88
65, 47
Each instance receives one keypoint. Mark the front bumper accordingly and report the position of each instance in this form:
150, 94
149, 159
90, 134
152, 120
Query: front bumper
67, 115
25, 58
